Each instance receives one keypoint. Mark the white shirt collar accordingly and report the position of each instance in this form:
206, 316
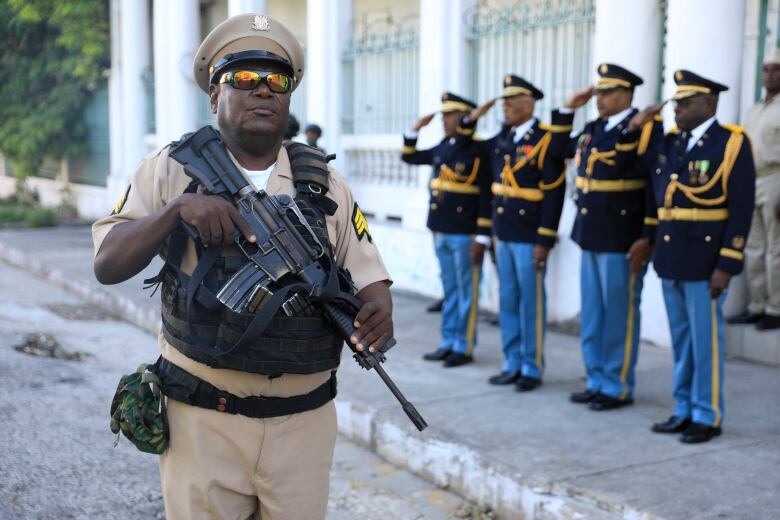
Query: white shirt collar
612, 121
523, 129
260, 178
697, 132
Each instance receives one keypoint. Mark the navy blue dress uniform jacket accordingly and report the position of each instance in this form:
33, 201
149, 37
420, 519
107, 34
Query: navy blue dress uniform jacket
705, 201
528, 185
614, 194
460, 183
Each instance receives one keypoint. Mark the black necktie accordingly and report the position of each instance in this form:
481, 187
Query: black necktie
682, 146
601, 124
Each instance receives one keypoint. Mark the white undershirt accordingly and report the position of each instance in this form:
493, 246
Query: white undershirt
697, 132
260, 178
523, 129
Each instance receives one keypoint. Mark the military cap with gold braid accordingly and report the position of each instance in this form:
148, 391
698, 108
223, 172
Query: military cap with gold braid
614, 76
247, 38
690, 84
451, 102
517, 86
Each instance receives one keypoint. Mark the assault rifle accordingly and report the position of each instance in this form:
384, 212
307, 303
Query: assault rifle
285, 261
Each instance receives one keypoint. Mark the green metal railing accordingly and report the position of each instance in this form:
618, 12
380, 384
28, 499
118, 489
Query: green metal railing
381, 79
549, 42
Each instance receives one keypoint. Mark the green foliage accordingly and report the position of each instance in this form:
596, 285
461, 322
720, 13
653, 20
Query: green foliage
52, 54
40, 217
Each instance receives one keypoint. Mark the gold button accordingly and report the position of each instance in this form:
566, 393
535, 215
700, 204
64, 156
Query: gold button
499, 210
658, 171
459, 209
674, 176
584, 211
435, 193
707, 238
622, 212
434, 205
667, 238
522, 212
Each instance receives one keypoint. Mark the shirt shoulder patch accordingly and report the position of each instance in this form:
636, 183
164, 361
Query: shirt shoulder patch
360, 224
121, 202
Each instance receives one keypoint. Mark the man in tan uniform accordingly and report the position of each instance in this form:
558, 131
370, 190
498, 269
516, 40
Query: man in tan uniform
762, 124
222, 463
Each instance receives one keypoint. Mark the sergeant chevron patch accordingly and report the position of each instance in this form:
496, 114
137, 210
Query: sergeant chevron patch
121, 202
360, 223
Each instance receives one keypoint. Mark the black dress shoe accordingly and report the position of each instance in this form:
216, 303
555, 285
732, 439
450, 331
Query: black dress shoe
768, 322
674, 424
437, 355
435, 306
696, 433
583, 397
745, 317
504, 378
456, 359
526, 384
604, 402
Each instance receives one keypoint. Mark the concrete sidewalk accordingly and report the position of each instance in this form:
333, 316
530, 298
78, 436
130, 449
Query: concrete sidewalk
529, 455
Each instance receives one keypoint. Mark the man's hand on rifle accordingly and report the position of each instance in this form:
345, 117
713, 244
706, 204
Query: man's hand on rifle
215, 218
374, 322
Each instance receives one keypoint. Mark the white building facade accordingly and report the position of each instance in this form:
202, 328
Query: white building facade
374, 66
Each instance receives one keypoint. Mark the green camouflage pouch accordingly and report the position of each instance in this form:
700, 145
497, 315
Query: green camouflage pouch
138, 411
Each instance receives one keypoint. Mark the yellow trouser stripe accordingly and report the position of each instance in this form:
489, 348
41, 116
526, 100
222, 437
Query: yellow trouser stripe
539, 322
731, 253
715, 363
693, 214
627, 348
471, 328
456, 187
587, 184
532, 194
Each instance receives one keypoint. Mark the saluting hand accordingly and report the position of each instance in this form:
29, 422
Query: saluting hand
214, 217
482, 110
424, 120
579, 98
645, 116
718, 283
639, 254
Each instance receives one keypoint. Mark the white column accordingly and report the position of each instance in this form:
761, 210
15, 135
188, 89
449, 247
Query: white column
636, 23
135, 60
442, 56
327, 28
115, 180
706, 37
176, 38
247, 6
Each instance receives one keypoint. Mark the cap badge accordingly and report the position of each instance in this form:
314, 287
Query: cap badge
604, 68
260, 23
508, 80
678, 75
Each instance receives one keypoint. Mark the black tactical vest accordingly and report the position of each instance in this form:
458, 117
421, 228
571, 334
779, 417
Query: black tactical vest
199, 326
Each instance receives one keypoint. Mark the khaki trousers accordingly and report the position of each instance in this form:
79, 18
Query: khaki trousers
763, 248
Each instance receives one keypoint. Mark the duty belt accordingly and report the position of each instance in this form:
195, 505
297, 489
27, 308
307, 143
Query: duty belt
180, 385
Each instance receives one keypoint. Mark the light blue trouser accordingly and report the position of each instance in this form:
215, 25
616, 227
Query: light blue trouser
460, 281
696, 323
522, 308
610, 320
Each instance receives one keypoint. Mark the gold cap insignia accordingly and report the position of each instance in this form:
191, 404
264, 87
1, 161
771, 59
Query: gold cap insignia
260, 23
508, 80
678, 75
603, 68
738, 242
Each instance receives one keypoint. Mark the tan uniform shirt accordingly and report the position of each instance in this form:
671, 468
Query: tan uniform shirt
160, 179
762, 124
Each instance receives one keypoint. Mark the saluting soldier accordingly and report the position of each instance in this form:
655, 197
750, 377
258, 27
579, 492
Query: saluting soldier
459, 216
704, 179
528, 189
615, 228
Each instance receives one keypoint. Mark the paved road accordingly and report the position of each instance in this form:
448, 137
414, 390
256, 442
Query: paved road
57, 455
